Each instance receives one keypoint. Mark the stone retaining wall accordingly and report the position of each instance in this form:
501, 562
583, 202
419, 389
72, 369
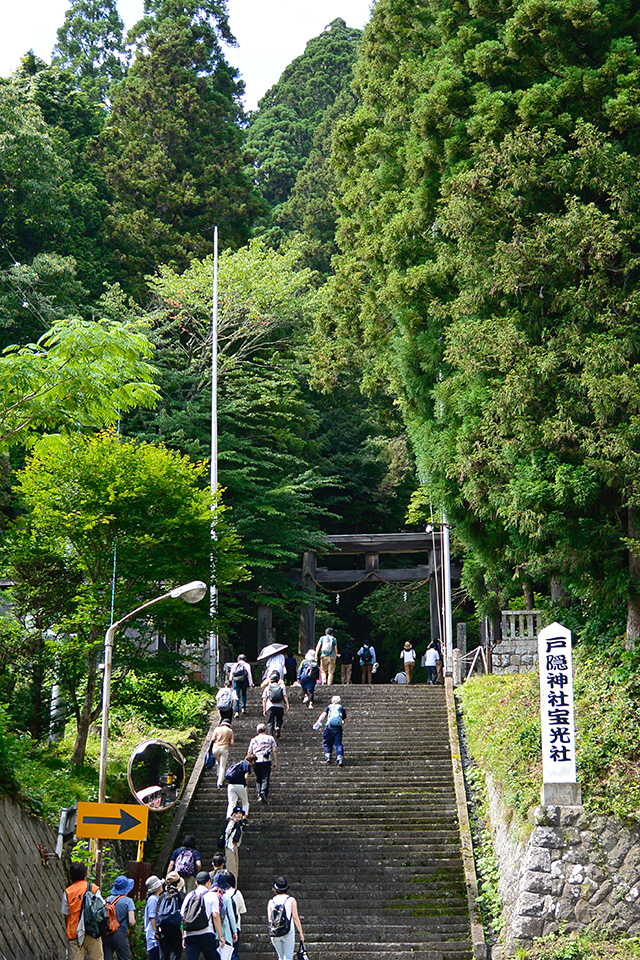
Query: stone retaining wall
514, 656
31, 926
573, 870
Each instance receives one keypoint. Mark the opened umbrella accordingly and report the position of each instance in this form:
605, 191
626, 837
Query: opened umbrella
271, 650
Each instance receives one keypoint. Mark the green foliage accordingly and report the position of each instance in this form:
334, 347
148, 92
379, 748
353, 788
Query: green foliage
172, 143
281, 131
395, 620
8, 782
178, 705
78, 373
91, 44
90, 502
489, 240
592, 944
487, 868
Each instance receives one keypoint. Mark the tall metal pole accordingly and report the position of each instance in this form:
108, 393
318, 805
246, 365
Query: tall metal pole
446, 578
214, 645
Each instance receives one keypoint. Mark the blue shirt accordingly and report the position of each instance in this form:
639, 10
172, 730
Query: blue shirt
150, 911
123, 905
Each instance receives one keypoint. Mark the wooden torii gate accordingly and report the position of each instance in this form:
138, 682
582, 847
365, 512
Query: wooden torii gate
371, 546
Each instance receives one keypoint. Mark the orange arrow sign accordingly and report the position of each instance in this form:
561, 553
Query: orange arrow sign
112, 821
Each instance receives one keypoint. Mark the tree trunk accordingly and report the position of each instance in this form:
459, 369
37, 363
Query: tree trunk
37, 680
559, 595
86, 713
633, 603
527, 589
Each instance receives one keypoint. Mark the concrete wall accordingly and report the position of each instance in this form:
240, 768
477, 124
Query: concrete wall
31, 926
573, 870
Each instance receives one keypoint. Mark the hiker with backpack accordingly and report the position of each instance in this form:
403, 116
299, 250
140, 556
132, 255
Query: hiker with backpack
238, 905
226, 701
218, 753
334, 717
116, 942
221, 886
201, 921
169, 917
283, 919
233, 839
154, 887
186, 862
84, 938
367, 656
240, 674
264, 749
408, 657
308, 675
237, 778
327, 650
274, 702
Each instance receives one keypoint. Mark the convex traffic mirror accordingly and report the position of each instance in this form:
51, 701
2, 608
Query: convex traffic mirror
156, 774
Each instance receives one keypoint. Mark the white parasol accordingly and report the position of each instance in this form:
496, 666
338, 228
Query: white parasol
271, 650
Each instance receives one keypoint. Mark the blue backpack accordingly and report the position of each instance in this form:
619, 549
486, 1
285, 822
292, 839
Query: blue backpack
169, 909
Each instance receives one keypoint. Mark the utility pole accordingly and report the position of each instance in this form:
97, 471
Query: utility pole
214, 640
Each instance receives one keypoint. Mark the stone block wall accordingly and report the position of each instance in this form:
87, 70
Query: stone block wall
31, 926
515, 656
573, 870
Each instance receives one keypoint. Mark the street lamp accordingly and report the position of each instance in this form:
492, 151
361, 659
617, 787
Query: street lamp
191, 593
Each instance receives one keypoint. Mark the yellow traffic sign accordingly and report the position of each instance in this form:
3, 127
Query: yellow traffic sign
112, 821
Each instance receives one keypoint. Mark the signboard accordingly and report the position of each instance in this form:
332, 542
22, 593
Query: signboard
112, 821
556, 705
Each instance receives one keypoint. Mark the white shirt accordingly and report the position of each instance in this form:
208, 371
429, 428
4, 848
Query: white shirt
240, 905
409, 656
211, 905
223, 695
431, 657
276, 662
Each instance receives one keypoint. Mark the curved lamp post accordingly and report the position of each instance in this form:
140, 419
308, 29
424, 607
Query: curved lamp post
191, 593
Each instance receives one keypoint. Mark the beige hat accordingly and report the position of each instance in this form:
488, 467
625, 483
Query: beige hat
407, 645
175, 879
310, 655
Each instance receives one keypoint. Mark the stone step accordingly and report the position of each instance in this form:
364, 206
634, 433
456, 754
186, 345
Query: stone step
372, 850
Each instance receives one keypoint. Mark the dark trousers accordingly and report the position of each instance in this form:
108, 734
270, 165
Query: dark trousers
309, 687
116, 944
274, 720
241, 688
366, 672
226, 713
153, 953
171, 941
202, 943
332, 739
262, 770
432, 674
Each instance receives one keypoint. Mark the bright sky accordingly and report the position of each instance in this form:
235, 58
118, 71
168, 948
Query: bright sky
270, 33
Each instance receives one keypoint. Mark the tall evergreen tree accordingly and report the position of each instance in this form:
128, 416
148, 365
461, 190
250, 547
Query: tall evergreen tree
489, 274
281, 132
91, 45
172, 147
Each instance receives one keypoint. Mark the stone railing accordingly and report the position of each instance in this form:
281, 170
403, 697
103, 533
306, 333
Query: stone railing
517, 651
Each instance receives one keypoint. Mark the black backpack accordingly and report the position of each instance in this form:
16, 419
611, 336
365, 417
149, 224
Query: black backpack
239, 674
168, 911
280, 923
275, 693
195, 916
367, 655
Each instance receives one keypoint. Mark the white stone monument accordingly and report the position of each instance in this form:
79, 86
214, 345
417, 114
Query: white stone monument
559, 785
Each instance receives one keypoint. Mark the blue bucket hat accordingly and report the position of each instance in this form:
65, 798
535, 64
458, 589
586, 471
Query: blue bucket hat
221, 881
121, 885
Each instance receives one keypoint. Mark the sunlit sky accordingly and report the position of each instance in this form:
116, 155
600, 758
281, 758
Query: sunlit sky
270, 33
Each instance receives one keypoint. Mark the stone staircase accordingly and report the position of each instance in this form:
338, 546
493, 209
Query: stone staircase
372, 850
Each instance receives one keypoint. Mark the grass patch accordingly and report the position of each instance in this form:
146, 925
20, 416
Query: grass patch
590, 945
502, 722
